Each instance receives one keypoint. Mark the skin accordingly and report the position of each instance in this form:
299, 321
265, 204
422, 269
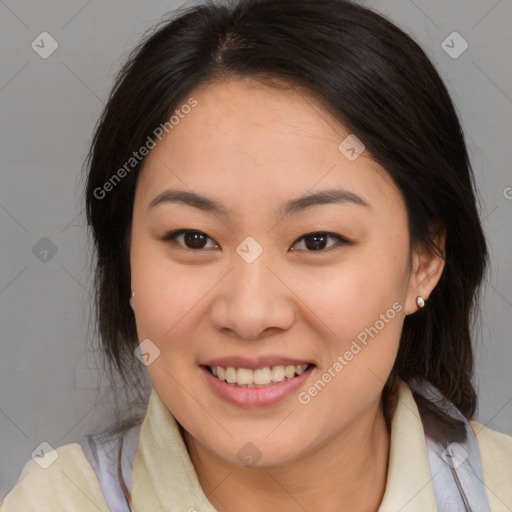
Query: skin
252, 147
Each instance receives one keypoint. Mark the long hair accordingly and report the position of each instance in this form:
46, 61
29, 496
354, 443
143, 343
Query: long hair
378, 83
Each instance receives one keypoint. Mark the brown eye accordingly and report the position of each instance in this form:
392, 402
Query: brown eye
318, 241
197, 240
188, 239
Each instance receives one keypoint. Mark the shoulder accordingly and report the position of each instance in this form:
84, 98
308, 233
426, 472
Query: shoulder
107, 454
496, 454
62, 479
494, 446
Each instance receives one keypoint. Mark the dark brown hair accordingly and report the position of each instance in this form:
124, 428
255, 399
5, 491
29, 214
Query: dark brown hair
379, 83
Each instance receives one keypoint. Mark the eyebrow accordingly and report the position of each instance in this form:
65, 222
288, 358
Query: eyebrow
329, 196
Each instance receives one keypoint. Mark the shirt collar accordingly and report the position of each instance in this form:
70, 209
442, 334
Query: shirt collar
164, 478
409, 482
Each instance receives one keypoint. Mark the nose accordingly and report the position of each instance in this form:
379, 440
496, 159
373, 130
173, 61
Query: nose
252, 301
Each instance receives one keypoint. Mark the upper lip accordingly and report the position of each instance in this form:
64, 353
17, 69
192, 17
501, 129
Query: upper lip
255, 363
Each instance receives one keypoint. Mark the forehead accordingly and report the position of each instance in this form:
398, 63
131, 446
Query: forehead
249, 140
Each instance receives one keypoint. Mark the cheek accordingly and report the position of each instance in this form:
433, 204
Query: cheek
164, 293
365, 314
361, 300
354, 294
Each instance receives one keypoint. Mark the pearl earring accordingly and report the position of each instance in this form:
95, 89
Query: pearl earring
420, 301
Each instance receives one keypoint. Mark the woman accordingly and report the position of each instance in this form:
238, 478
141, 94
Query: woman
287, 237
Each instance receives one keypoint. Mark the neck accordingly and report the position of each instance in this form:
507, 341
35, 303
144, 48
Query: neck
356, 459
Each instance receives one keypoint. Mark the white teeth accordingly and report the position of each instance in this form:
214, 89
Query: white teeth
231, 375
244, 376
260, 377
278, 373
301, 368
289, 371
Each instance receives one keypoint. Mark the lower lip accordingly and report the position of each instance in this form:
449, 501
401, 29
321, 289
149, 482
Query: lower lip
256, 397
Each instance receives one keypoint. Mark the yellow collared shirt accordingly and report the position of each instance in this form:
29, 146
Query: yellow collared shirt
164, 479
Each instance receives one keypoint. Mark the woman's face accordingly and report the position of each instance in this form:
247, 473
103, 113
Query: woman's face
247, 289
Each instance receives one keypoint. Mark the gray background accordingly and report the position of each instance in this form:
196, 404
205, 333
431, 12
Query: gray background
50, 386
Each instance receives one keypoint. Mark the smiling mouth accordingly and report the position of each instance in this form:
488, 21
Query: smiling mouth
259, 378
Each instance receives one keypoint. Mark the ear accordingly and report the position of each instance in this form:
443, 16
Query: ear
427, 268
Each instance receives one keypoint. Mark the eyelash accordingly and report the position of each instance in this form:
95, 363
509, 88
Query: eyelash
171, 238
